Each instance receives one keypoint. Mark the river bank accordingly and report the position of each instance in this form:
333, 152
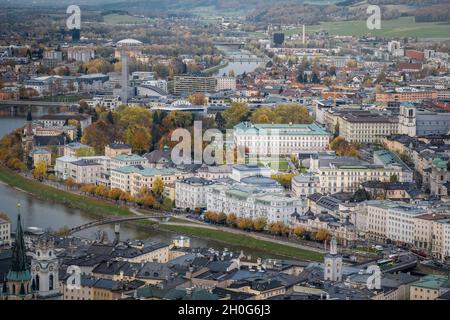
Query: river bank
101, 208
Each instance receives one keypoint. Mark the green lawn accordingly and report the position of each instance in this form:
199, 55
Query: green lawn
246, 241
281, 164
44, 192
177, 220
115, 18
401, 27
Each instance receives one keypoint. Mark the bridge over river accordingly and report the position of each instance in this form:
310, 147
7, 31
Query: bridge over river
117, 220
21, 107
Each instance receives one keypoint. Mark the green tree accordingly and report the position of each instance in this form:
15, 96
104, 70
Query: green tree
167, 204
110, 118
393, 178
361, 195
220, 121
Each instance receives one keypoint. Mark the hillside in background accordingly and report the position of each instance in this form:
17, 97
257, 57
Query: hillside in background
261, 11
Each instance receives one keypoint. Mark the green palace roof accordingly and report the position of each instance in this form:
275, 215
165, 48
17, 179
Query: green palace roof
281, 129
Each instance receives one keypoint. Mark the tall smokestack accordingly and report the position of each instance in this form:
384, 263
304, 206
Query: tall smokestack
304, 35
125, 72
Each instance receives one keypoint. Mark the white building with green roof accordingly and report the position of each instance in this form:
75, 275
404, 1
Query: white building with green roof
392, 220
280, 139
124, 160
134, 178
248, 201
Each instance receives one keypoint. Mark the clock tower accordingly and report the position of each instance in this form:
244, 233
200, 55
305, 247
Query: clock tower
333, 263
407, 120
44, 269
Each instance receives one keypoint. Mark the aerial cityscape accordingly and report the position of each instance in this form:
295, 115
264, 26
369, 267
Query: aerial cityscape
225, 150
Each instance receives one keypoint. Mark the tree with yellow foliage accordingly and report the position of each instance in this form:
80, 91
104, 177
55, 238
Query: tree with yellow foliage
101, 191
278, 228
69, 183
343, 148
299, 231
158, 187
40, 170
85, 152
115, 194
4, 216
88, 189
221, 218
211, 216
235, 113
284, 179
322, 235
139, 138
126, 197
245, 223
264, 115
198, 99
149, 201
259, 224
232, 220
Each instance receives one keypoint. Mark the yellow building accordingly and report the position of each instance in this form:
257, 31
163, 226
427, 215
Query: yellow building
367, 127
41, 155
115, 149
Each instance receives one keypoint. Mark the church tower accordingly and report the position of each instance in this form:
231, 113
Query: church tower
333, 263
44, 269
407, 120
19, 276
28, 138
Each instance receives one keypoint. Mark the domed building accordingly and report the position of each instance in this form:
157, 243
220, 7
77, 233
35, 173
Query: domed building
129, 42
132, 46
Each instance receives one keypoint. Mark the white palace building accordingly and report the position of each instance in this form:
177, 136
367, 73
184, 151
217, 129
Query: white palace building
280, 139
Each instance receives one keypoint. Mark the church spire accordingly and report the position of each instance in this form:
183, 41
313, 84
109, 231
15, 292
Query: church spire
19, 258
333, 246
29, 116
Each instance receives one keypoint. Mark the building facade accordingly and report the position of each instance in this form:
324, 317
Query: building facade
191, 193
280, 139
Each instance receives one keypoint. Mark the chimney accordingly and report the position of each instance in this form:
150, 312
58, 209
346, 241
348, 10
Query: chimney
304, 35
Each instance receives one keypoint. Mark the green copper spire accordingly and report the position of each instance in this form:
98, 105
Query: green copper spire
29, 116
19, 258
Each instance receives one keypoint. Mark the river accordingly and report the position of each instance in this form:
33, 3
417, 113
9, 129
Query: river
45, 215
238, 67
